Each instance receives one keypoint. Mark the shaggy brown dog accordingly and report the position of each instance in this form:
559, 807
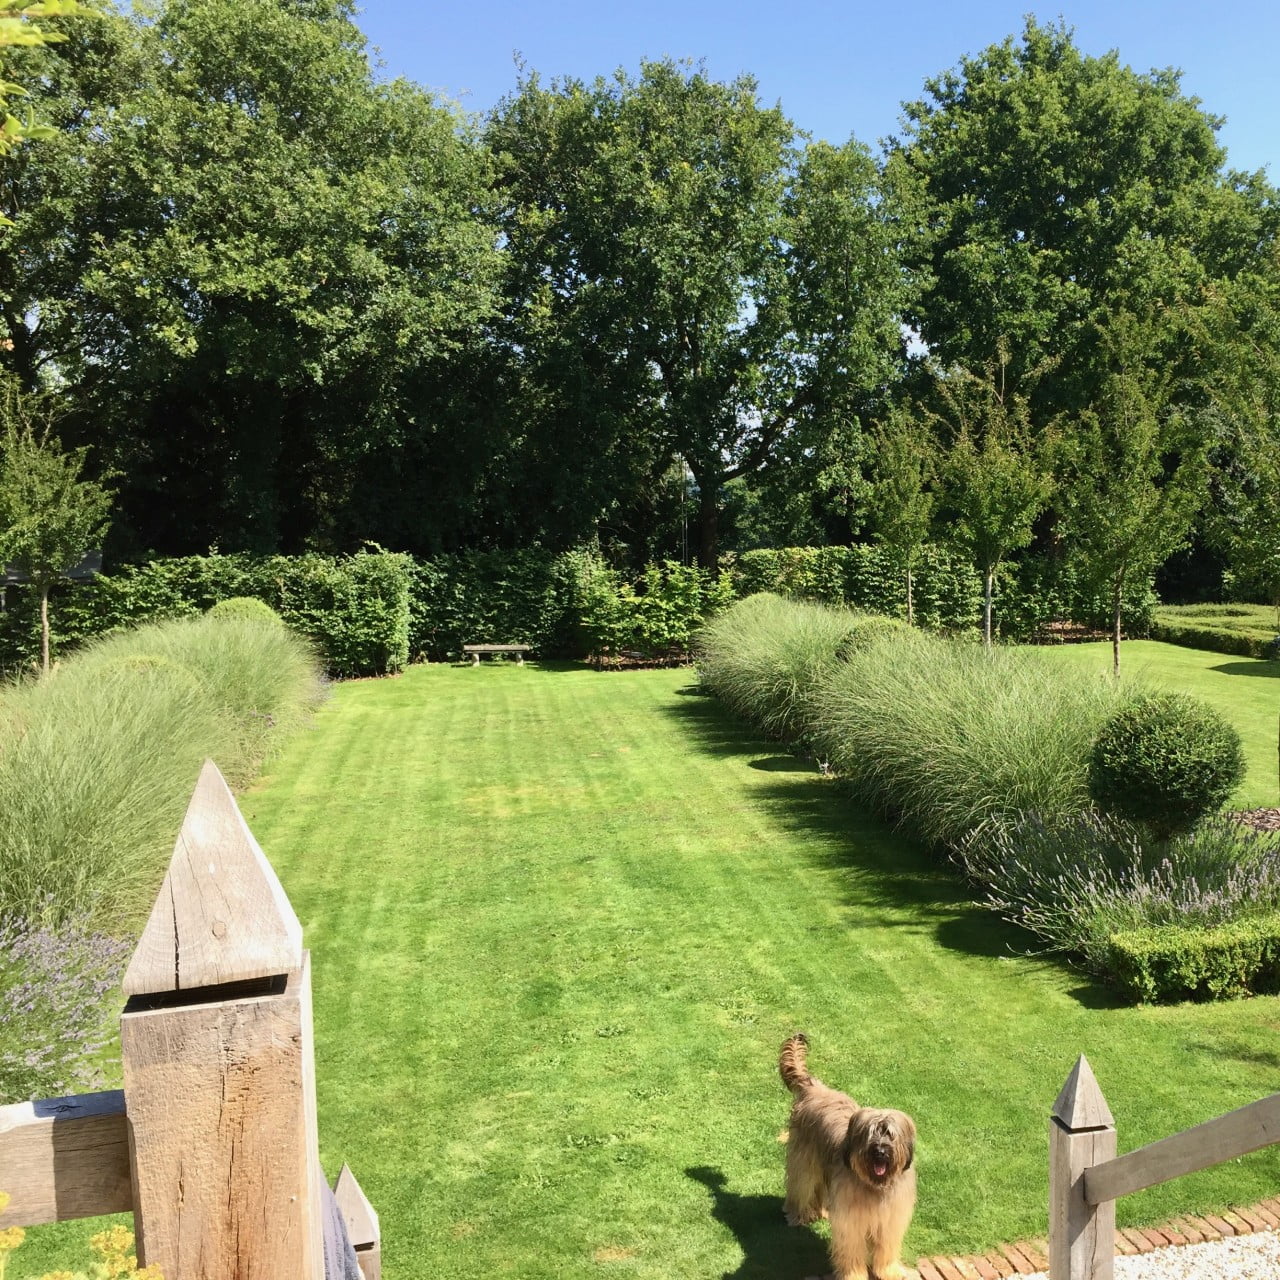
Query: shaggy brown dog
851, 1164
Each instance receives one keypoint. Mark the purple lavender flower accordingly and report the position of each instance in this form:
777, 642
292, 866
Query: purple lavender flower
56, 1006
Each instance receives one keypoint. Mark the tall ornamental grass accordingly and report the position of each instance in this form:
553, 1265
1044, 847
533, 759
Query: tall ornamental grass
97, 761
765, 656
948, 737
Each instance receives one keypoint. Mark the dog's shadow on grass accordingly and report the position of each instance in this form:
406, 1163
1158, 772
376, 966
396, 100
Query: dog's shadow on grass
771, 1250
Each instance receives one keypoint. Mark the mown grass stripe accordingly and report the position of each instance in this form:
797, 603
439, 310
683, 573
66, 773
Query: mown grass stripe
544, 1066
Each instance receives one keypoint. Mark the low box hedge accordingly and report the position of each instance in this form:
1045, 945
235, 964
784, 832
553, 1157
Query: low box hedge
1215, 640
1174, 962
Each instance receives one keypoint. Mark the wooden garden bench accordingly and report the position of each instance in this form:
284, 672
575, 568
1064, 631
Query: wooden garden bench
475, 650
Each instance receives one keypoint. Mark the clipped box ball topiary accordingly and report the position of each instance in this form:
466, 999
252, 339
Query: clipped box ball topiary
1165, 760
245, 607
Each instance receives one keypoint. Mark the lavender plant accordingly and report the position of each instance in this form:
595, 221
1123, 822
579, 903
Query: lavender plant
1078, 880
55, 984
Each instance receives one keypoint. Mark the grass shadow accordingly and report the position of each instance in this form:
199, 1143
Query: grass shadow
715, 730
782, 764
886, 874
771, 1250
1254, 667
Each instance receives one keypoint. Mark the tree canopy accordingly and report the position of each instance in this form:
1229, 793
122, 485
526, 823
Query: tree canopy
292, 305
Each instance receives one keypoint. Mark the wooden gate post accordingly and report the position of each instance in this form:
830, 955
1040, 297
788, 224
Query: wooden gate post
1081, 1134
362, 1224
219, 1075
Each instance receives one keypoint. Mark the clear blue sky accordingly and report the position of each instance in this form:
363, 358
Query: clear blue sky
837, 66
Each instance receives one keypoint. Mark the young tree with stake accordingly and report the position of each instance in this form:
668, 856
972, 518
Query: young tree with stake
997, 479
49, 515
902, 500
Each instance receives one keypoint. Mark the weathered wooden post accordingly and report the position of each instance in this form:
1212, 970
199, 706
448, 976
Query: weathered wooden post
1081, 1134
219, 1075
362, 1224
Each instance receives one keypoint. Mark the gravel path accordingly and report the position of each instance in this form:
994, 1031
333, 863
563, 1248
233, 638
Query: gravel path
1252, 1257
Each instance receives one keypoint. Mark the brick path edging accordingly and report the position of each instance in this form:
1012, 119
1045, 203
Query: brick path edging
1029, 1256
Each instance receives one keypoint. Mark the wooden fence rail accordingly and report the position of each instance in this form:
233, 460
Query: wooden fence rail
212, 1143
1086, 1177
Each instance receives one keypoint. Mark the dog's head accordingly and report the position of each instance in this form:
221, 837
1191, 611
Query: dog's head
880, 1145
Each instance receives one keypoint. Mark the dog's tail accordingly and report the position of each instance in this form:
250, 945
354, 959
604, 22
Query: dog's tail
791, 1062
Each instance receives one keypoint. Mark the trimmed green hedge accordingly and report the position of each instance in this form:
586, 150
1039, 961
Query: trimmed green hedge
1248, 631
946, 590
1173, 963
355, 609
1038, 590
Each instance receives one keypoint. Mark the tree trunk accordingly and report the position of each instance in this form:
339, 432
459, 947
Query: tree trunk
1117, 599
988, 590
910, 612
708, 526
44, 629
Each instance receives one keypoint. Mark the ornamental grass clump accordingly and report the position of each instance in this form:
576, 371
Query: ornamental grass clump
946, 737
1078, 881
98, 761
765, 655
1166, 760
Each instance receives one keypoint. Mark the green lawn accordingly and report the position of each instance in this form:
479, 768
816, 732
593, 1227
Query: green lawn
1245, 690
561, 921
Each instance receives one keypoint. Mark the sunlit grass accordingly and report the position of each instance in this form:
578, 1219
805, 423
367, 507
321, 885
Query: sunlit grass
561, 921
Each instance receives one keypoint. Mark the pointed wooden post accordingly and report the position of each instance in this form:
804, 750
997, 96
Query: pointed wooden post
1081, 1134
362, 1224
219, 1074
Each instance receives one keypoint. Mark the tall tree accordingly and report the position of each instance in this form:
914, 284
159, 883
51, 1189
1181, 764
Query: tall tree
685, 283
50, 514
272, 257
1241, 328
1046, 190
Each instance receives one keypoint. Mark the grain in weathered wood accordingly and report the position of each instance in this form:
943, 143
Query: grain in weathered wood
65, 1158
221, 915
224, 1152
363, 1229
1224, 1138
1081, 1134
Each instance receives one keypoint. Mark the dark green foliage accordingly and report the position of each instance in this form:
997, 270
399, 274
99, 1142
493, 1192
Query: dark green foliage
1037, 590
1166, 760
947, 591
686, 283
1171, 962
355, 609
496, 597
245, 607
568, 605
653, 616
273, 333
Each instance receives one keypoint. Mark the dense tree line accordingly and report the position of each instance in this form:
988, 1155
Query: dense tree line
288, 305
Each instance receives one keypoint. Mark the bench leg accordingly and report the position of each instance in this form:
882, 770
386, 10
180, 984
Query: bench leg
519, 659
475, 659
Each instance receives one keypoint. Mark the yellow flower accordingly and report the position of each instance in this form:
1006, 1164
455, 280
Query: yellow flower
59, 1275
11, 1237
113, 1243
